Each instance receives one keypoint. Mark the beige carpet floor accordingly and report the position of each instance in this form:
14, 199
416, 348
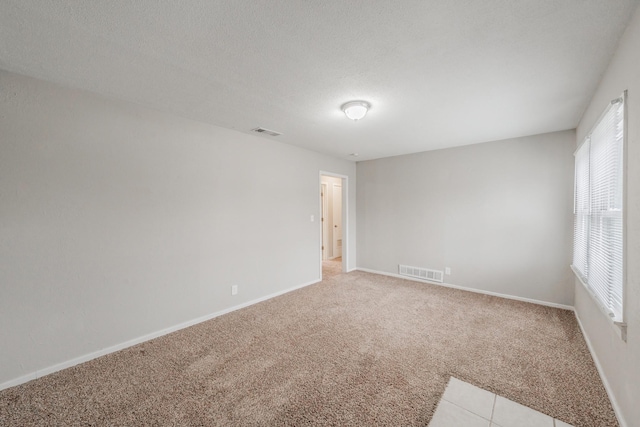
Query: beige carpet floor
356, 349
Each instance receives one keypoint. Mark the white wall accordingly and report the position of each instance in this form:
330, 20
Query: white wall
117, 221
499, 214
620, 361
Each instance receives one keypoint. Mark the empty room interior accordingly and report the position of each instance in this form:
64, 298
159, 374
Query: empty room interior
363, 213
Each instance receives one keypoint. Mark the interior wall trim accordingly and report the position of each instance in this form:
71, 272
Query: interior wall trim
607, 387
478, 291
121, 346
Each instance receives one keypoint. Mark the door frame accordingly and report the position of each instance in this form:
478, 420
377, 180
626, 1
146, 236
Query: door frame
334, 241
345, 219
324, 209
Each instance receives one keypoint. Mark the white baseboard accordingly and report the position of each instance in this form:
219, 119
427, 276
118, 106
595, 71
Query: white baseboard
607, 387
477, 291
612, 399
85, 358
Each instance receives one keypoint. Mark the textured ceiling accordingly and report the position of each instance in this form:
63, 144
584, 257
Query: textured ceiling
438, 73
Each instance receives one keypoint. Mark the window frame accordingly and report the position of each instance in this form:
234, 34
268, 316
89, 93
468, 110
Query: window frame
620, 322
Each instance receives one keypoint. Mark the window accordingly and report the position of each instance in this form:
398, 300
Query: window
598, 210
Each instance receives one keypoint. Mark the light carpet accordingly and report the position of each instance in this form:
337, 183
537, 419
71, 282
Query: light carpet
356, 349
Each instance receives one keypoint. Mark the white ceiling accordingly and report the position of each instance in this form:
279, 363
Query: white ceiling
438, 73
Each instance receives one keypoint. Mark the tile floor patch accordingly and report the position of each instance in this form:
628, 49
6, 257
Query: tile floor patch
463, 404
447, 415
470, 397
512, 414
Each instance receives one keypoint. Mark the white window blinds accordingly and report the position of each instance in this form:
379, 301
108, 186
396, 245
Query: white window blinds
598, 211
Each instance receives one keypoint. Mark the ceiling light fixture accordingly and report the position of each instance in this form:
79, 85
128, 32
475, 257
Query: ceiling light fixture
355, 110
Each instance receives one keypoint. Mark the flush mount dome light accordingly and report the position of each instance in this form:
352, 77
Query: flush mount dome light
355, 110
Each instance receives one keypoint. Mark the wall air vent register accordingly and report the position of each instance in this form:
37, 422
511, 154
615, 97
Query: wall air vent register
421, 273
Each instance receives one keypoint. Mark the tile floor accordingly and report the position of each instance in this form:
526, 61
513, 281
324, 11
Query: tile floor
465, 405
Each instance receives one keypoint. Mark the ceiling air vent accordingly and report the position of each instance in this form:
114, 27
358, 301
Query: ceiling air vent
421, 273
266, 131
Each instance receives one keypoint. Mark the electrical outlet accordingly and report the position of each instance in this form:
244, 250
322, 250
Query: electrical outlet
447, 270
234, 290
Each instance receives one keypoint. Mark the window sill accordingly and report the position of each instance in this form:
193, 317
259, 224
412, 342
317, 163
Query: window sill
619, 327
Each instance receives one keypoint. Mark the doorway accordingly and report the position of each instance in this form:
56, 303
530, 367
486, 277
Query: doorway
333, 208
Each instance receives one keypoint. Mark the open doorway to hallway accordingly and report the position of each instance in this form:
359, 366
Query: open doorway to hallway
331, 268
333, 235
